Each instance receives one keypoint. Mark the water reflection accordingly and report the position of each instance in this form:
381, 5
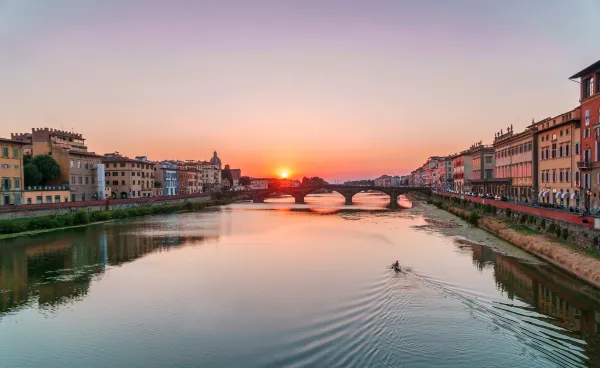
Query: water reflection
57, 268
558, 299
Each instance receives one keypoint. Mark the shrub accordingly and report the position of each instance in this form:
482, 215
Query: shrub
81, 217
522, 219
565, 233
551, 227
100, 216
558, 231
473, 218
595, 241
543, 224
508, 212
120, 214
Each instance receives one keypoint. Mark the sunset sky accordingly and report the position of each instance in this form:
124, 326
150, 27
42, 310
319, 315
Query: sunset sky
338, 89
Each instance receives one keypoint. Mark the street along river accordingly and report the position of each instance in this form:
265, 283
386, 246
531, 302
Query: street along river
285, 285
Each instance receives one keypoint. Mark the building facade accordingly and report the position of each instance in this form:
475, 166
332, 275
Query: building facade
129, 178
167, 175
85, 176
46, 194
190, 178
515, 165
484, 162
11, 172
589, 164
259, 183
559, 148
462, 167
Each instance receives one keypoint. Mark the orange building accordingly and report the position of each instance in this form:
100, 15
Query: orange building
129, 178
590, 133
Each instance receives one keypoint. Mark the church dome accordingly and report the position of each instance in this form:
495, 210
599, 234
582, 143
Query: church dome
215, 160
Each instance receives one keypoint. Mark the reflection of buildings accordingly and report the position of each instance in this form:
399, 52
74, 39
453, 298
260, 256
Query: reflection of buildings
60, 269
550, 293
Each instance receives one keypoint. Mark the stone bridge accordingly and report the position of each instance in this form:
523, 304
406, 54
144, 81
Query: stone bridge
348, 191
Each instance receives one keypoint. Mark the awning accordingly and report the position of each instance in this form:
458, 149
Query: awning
545, 193
542, 192
575, 195
565, 195
557, 195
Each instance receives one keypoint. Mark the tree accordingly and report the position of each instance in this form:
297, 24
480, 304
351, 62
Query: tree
32, 175
48, 167
26, 160
245, 181
315, 181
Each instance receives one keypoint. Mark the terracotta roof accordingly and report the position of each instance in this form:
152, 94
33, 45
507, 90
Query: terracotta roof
587, 70
88, 154
116, 158
6, 140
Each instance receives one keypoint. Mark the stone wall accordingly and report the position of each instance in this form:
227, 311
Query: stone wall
34, 210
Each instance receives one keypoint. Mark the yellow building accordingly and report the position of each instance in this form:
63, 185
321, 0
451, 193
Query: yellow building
46, 194
558, 141
129, 178
11, 171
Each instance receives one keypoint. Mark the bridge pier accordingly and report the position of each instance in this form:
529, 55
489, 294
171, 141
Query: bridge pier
348, 198
258, 199
299, 198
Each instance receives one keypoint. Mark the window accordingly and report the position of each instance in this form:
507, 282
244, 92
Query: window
587, 117
87, 180
123, 182
4, 151
567, 175
567, 149
588, 87
542, 138
560, 151
115, 173
17, 183
5, 166
28, 200
554, 176
554, 136
561, 176
107, 182
567, 131
56, 199
16, 166
553, 150
15, 152
122, 165
586, 133
598, 178
122, 173
48, 199
115, 182
547, 137
80, 180
39, 199
6, 183
72, 180
577, 149
86, 165
138, 173
586, 181
79, 164
561, 133
577, 178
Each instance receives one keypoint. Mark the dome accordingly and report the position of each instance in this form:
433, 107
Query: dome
215, 161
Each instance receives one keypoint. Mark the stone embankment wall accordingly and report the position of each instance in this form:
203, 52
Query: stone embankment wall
35, 210
577, 233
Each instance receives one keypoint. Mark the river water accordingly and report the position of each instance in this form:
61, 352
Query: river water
285, 285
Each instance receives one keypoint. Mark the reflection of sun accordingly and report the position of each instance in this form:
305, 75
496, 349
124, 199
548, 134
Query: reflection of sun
284, 175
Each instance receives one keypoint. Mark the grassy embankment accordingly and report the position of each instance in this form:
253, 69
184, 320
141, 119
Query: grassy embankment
548, 242
34, 225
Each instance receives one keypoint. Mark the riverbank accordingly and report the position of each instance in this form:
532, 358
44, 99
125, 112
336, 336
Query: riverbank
31, 226
547, 241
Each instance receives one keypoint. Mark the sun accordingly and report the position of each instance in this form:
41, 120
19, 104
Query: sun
284, 175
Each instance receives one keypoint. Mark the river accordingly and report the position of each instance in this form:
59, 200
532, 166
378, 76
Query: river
285, 285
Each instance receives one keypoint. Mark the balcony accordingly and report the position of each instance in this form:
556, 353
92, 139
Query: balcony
585, 164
